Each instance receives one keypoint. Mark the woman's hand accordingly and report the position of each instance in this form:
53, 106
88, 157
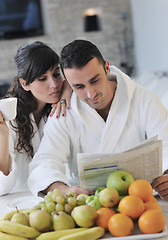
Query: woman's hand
64, 102
160, 185
4, 143
4, 131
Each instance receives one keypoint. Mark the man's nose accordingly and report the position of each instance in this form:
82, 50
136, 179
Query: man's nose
91, 92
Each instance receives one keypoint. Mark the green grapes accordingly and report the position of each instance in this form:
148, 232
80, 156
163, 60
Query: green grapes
55, 201
59, 207
50, 206
68, 208
72, 201
60, 199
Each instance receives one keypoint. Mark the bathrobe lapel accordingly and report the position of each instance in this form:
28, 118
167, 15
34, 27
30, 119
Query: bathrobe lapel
118, 112
88, 116
38, 132
107, 138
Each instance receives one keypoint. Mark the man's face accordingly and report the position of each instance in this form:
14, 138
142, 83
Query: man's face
90, 83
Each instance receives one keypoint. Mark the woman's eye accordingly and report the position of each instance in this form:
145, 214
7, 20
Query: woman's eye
56, 74
42, 79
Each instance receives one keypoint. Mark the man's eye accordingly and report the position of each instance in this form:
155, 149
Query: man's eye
95, 81
79, 87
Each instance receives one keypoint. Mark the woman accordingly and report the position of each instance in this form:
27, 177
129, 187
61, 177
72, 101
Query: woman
38, 85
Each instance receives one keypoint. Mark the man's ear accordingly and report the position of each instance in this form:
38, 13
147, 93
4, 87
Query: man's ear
107, 67
23, 84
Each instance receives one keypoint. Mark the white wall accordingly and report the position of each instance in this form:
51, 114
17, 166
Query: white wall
150, 27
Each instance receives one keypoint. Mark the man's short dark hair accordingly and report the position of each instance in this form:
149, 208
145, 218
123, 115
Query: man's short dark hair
78, 53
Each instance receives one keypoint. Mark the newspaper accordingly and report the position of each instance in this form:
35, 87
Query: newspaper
143, 161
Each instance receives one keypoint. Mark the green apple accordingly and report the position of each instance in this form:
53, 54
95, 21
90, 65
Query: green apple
98, 190
93, 201
81, 199
120, 180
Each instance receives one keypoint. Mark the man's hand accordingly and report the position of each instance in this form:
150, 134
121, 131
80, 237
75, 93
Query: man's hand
65, 189
160, 185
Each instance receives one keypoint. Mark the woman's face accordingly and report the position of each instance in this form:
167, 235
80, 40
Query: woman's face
47, 88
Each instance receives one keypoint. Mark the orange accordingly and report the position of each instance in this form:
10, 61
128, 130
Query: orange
152, 205
120, 225
132, 206
153, 199
151, 221
103, 216
141, 188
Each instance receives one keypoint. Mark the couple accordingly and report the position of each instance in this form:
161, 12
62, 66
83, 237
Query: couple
109, 113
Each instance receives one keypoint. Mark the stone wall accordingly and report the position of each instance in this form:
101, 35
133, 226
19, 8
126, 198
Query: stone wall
67, 23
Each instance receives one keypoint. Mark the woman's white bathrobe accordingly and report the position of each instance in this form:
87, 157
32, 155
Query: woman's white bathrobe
17, 178
135, 115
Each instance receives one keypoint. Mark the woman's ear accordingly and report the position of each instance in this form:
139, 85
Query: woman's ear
23, 84
107, 67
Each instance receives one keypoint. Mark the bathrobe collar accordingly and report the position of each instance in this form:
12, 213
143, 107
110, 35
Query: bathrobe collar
115, 120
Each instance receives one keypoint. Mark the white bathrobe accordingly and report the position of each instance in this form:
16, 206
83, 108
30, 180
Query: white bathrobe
17, 179
135, 115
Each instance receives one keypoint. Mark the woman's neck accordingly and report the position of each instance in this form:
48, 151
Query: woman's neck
38, 112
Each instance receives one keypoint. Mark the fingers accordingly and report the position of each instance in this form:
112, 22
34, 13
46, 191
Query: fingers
163, 194
63, 107
165, 172
58, 108
78, 190
68, 102
1, 118
165, 198
159, 180
160, 184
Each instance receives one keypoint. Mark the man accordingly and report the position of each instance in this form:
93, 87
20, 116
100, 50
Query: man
109, 113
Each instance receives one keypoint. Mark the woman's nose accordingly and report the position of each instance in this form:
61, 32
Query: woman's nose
53, 82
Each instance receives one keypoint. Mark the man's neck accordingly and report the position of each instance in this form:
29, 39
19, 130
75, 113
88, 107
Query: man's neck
105, 111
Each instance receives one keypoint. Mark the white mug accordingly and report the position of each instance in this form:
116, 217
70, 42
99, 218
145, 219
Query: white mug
8, 107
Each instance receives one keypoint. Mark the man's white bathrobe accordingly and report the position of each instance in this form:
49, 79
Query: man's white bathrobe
19, 162
135, 115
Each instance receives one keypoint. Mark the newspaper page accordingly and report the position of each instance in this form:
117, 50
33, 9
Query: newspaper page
143, 161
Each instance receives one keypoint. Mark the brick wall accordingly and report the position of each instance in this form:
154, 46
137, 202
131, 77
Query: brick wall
66, 24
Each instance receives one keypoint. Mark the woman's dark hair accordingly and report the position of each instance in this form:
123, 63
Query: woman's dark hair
32, 61
78, 53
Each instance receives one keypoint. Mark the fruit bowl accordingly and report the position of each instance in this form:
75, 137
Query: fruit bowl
24, 202
137, 235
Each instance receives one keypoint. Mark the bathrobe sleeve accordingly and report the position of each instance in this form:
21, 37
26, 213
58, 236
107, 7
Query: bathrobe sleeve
154, 117
7, 182
48, 164
16, 180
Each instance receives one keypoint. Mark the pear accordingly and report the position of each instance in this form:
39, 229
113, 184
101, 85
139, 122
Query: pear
109, 197
84, 215
62, 221
21, 218
40, 220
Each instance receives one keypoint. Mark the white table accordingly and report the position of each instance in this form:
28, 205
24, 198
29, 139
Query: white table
26, 196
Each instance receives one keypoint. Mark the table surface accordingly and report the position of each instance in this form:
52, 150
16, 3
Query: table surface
27, 200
